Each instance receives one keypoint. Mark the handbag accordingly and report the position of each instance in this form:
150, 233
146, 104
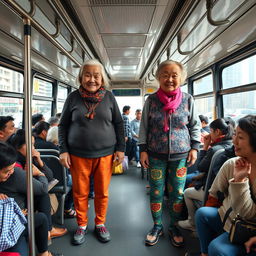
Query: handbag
241, 230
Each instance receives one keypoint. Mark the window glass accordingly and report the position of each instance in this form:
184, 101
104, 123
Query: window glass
62, 92
42, 107
60, 105
10, 80
240, 73
42, 88
184, 88
203, 85
204, 106
12, 107
240, 104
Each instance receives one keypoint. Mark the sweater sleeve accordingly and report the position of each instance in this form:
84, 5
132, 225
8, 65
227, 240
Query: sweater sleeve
119, 126
221, 181
241, 199
64, 125
144, 127
40, 185
194, 126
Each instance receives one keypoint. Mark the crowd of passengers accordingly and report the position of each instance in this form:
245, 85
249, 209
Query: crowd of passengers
233, 175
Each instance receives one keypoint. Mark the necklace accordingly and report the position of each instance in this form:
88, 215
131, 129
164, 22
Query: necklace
91, 109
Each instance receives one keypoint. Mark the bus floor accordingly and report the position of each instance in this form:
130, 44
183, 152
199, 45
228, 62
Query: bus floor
129, 220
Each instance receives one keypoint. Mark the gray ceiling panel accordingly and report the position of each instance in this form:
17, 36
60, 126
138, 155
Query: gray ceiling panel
135, 52
119, 41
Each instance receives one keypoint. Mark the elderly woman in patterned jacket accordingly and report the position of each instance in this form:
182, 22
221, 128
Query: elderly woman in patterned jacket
169, 139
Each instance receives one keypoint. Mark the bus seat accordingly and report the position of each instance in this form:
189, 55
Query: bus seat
59, 173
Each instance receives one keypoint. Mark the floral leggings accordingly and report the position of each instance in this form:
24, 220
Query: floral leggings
175, 173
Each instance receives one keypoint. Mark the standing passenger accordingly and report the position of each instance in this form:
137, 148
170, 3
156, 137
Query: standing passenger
169, 139
91, 137
135, 127
127, 132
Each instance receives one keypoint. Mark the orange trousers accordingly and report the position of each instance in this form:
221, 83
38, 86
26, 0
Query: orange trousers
81, 169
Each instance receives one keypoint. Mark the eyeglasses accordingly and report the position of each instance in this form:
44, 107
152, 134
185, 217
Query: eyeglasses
95, 76
168, 76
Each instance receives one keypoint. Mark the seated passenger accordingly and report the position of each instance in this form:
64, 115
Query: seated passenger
36, 118
7, 127
220, 137
52, 135
204, 124
53, 121
40, 132
42, 203
237, 180
13, 184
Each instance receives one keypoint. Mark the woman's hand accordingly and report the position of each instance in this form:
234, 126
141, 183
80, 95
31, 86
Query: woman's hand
119, 157
3, 196
192, 156
36, 156
144, 159
248, 245
207, 142
65, 159
242, 170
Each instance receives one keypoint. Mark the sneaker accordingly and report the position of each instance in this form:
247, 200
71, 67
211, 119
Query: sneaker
155, 232
186, 224
138, 165
79, 236
102, 234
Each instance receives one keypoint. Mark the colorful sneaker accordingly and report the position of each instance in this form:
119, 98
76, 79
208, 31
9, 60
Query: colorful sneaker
79, 236
155, 233
102, 234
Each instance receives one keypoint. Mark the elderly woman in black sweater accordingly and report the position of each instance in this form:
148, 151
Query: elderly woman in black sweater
91, 137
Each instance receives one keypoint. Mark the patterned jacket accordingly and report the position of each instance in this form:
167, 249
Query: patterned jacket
184, 132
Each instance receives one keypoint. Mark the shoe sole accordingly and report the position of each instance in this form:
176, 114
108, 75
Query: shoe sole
155, 242
101, 239
174, 243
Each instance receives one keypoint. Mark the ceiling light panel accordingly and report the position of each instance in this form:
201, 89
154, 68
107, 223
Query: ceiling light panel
131, 19
124, 61
119, 41
124, 52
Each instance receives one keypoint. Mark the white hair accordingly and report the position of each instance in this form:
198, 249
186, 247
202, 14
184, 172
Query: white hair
52, 135
94, 62
170, 62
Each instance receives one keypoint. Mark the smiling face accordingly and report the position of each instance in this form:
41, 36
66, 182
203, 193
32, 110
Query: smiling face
91, 78
170, 77
242, 144
6, 172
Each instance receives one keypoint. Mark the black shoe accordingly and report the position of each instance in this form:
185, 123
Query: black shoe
193, 254
174, 231
56, 254
79, 236
156, 232
102, 234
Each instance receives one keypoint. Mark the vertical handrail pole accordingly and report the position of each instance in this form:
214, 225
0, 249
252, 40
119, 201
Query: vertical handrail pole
28, 133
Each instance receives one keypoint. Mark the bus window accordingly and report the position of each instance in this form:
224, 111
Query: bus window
239, 104
203, 84
240, 73
12, 107
61, 97
42, 88
10, 80
204, 106
42, 107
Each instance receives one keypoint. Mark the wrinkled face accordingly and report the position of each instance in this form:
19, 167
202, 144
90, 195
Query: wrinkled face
8, 131
91, 79
242, 143
6, 172
170, 77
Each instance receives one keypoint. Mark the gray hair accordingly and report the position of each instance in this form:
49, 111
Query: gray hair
52, 135
94, 62
170, 62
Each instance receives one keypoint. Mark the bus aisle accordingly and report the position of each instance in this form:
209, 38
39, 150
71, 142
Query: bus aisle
129, 220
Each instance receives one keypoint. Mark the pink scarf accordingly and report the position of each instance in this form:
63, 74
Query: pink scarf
171, 101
